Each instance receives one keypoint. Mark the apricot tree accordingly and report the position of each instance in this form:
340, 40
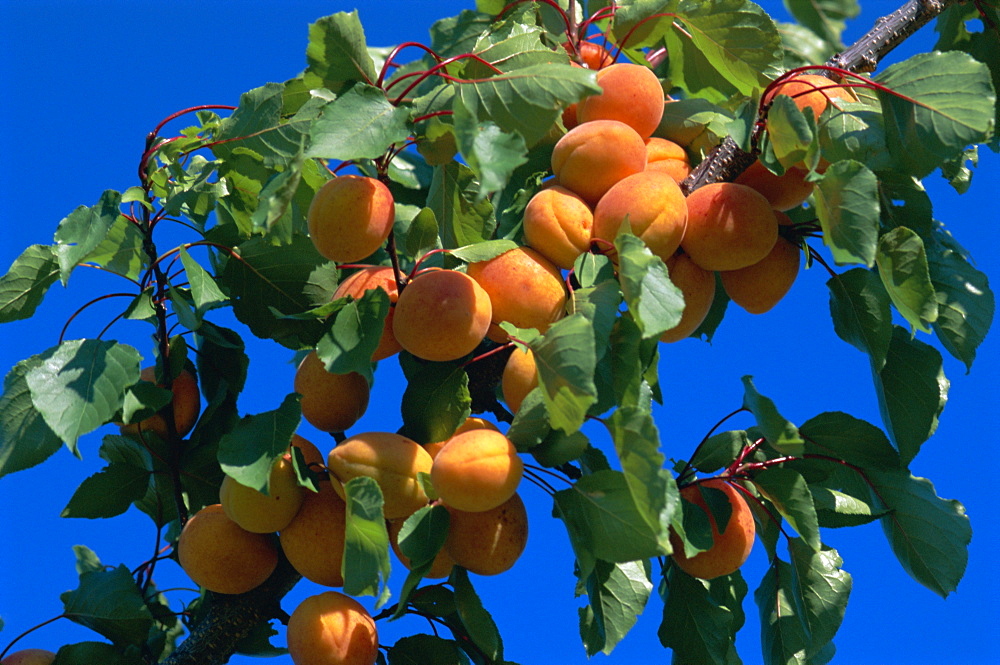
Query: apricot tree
530, 215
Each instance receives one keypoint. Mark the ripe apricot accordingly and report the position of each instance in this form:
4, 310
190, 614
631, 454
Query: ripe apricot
557, 223
490, 542
729, 226
313, 541
350, 217
758, 287
264, 513
442, 315
590, 54
376, 277
330, 402
29, 657
667, 156
332, 629
783, 192
811, 91
520, 376
310, 453
654, 206
186, 405
698, 287
730, 548
219, 555
593, 156
392, 460
630, 93
442, 565
525, 288
476, 470
468, 424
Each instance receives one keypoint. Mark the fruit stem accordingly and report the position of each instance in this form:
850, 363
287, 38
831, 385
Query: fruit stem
688, 467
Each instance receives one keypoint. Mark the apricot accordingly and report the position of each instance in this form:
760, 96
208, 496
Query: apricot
330, 402
525, 288
218, 554
392, 460
630, 93
783, 192
313, 541
490, 542
476, 470
264, 513
590, 54
350, 217
729, 226
442, 565
730, 548
376, 277
654, 206
593, 156
332, 629
811, 91
472, 423
29, 657
185, 403
310, 453
758, 287
520, 377
442, 315
698, 287
557, 223
667, 156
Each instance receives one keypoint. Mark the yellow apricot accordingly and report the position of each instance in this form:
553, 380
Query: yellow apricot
350, 217
758, 287
186, 405
476, 470
29, 657
593, 156
264, 513
783, 192
520, 376
557, 223
219, 555
376, 277
332, 629
698, 287
667, 156
730, 548
630, 93
442, 315
442, 562
490, 542
525, 288
811, 91
729, 226
330, 402
313, 541
392, 460
654, 206
468, 424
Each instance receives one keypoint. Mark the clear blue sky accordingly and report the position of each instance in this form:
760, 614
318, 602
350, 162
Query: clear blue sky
85, 81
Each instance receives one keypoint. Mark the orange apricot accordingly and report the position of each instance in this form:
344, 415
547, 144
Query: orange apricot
376, 277
520, 376
590, 54
729, 226
593, 156
758, 287
654, 206
332, 629
698, 287
667, 156
630, 93
442, 315
811, 91
476, 470
264, 513
330, 402
525, 288
557, 223
29, 657
185, 403
489, 542
467, 425
783, 192
219, 555
310, 453
350, 217
730, 548
442, 565
313, 541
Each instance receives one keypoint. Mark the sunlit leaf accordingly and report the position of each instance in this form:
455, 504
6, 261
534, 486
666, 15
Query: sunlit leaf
902, 265
617, 595
847, 205
26, 282
861, 312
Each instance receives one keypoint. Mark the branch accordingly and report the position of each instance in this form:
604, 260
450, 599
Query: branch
728, 160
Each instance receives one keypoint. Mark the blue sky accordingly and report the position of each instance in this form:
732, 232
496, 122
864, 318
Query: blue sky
85, 81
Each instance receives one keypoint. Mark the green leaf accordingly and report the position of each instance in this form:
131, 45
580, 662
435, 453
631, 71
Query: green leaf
791, 133
491, 153
87, 653
826, 18
26, 281
483, 251
463, 218
435, 402
366, 541
929, 535
780, 433
618, 593
789, 493
112, 490
701, 617
513, 43
354, 335
425, 650
25, 438
204, 290
479, 625
337, 53
902, 265
655, 303
80, 385
940, 103
559, 448
420, 538
275, 214
844, 437
422, 234
84, 230
257, 125
855, 131
531, 422
565, 360
719, 451
360, 124
784, 633
110, 603
912, 390
847, 205
248, 452
861, 312
823, 588
836, 509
